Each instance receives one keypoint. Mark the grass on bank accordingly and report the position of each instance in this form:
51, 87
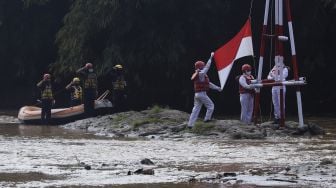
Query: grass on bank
119, 118
157, 109
202, 127
149, 120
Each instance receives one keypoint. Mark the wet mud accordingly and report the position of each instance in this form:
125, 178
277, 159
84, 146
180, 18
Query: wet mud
28, 176
49, 156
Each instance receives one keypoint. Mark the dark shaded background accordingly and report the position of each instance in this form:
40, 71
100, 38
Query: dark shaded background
158, 43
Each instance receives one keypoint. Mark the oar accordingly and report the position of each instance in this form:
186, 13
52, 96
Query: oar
107, 92
101, 97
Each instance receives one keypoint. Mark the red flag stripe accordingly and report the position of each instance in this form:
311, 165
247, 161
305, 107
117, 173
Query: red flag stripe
225, 55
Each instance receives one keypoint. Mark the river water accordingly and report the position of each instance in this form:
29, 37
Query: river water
48, 156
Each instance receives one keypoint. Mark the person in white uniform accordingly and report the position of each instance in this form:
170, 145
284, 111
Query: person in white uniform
201, 86
246, 91
278, 73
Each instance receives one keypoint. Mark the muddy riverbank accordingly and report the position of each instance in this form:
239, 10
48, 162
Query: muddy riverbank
168, 123
47, 156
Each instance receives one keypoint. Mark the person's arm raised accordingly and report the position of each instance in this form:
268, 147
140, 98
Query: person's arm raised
208, 64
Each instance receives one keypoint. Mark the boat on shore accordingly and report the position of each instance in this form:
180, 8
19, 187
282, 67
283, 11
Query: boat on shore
32, 114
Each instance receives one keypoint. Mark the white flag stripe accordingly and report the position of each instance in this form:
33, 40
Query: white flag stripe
223, 74
245, 48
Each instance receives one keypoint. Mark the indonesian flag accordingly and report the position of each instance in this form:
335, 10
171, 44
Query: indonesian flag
239, 46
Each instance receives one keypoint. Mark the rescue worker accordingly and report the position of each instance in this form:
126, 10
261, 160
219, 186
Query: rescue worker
276, 74
201, 86
90, 88
76, 92
47, 98
246, 92
119, 85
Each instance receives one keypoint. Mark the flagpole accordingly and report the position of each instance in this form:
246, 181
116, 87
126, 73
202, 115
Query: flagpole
261, 62
294, 62
280, 56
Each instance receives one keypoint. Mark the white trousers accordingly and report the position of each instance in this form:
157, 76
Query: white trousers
276, 101
246, 102
200, 99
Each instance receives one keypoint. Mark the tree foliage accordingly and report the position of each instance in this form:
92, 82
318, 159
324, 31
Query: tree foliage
156, 41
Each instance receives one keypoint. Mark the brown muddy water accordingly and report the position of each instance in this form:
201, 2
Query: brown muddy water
50, 156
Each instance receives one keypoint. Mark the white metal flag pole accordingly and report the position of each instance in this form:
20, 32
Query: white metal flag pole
296, 76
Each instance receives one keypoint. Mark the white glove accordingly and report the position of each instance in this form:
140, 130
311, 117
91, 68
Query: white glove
212, 54
219, 89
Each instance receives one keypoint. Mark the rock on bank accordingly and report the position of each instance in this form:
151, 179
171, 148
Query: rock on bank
171, 123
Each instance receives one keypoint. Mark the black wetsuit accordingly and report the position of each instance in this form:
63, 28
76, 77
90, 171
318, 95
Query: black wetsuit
47, 100
90, 91
119, 93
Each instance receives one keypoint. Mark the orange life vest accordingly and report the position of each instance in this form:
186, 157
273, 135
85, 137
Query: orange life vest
199, 85
248, 81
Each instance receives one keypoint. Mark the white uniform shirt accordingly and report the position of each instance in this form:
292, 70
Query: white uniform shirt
273, 75
203, 72
243, 82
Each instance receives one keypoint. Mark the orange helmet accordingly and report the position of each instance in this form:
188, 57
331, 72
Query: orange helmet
46, 76
88, 65
246, 67
199, 65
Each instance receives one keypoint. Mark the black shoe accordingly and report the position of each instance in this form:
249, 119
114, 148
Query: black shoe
209, 120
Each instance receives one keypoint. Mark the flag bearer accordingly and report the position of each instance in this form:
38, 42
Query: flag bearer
201, 86
246, 94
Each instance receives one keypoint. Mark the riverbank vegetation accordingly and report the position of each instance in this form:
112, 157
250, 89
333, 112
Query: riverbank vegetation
157, 42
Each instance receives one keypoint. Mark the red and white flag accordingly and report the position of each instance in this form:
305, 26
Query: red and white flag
239, 46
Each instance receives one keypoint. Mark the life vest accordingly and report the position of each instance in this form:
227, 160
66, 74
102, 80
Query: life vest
199, 85
90, 81
248, 81
77, 92
46, 93
119, 84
